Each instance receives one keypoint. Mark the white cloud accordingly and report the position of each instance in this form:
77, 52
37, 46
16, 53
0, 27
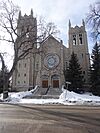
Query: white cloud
58, 11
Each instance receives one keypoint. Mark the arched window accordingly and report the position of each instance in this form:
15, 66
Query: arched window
18, 74
80, 39
27, 29
22, 30
55, 76
44, 76
74, 39
66, 65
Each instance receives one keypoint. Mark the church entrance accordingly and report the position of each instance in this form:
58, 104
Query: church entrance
44, 81
55, 81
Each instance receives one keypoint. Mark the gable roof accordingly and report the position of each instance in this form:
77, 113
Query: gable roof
60, 42
50, 36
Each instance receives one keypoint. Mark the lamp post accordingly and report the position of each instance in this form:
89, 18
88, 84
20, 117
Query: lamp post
65, 90
68, 83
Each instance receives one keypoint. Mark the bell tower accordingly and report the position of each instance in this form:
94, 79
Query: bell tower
78, 43
27, 25
23, 77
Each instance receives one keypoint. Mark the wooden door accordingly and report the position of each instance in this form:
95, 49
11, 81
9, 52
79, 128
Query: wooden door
45, 83
55, 83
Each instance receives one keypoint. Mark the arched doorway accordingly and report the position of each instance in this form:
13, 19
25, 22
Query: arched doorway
55, 81
45, 81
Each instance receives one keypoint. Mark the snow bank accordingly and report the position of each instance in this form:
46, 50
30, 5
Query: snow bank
72, 97
66, 98
16, 97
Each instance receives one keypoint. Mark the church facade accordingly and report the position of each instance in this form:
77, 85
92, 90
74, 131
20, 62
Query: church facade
47, 67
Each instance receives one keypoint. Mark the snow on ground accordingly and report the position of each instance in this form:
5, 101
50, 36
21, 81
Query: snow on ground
66, 98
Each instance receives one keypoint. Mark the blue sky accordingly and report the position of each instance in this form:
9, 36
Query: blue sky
59, 12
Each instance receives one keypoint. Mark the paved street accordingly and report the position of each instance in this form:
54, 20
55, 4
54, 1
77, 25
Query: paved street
49, 119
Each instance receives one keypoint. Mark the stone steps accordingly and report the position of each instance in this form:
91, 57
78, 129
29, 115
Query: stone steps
42, 97
46, 93
54, 91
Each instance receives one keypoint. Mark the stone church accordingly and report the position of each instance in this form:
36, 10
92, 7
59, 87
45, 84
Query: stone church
46, 68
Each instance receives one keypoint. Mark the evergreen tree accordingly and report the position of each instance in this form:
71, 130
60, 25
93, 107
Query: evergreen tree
1, 82
2, 79
73, 74
95, 70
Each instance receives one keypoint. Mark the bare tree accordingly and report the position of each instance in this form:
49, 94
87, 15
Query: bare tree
46, 29
8, 24
93, 20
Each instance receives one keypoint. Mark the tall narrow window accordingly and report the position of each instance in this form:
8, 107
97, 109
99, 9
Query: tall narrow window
18, 82
28, 29
24, 74
74, 39
66, 65
83, 72
22, 30
19, 65
27, 32
82, 55
25, 65
37, 66
80, 39
27, 35
18, 74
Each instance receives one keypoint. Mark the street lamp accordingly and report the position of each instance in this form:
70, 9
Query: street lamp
68, 83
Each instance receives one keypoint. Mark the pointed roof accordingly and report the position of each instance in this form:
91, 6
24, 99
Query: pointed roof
32, 12
50, 36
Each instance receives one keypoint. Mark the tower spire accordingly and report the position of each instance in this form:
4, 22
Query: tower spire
83, 22
32, 12
69, 23
19, 14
